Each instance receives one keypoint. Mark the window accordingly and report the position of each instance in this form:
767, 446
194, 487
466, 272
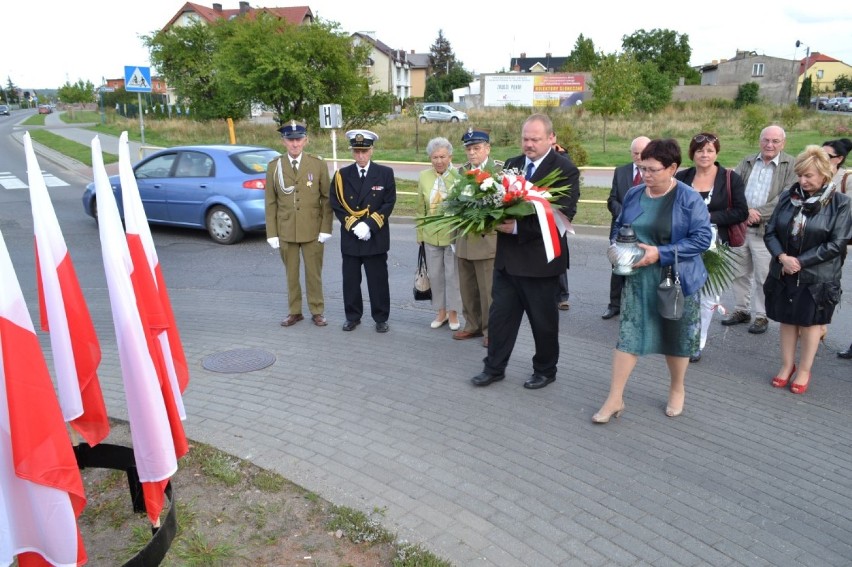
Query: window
757, 70
820, 73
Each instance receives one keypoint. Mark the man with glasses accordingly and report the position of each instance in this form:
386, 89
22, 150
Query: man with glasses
765, 175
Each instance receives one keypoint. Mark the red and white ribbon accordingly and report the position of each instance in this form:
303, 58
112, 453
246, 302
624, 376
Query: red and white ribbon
552, 223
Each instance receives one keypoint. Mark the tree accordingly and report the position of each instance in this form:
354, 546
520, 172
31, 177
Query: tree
615, 83
804, 99
441, 56
78, 93
447, 72
655, 91
843, 83
583, 58
667, 49
11, 93
440, 88
293, 69
184, 56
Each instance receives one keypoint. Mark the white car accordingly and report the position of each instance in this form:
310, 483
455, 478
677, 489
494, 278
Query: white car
441, 113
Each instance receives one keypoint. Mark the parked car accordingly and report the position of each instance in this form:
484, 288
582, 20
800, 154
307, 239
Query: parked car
441, 113
44, 109
819, 101
217, 188
845, 104
834, 103
4, 110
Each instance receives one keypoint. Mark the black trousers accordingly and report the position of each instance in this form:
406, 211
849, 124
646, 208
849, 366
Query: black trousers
376, 268
616, 285
512, 297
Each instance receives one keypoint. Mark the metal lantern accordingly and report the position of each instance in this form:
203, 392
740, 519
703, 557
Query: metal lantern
627, 252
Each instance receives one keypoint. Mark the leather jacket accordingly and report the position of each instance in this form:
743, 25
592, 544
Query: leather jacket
825, 235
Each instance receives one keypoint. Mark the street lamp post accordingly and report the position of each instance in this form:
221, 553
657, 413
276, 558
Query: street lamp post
807, 65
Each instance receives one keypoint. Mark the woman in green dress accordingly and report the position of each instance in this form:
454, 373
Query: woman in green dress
667, 216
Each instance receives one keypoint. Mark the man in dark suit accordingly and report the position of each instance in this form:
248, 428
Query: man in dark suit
624, 177
298, 218
362, 197
524, 281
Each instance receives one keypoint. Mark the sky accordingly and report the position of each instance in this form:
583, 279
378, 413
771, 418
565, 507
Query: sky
67, 41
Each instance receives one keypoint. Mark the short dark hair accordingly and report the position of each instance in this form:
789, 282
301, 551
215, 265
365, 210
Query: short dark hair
665, 151
706, 138
841, 147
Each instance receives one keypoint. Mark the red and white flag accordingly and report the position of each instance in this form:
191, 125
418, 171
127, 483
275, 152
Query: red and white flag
153, 445
64, 314
41, 491
151, 291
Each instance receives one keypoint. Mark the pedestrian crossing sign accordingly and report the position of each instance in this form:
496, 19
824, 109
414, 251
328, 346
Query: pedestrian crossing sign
137, 79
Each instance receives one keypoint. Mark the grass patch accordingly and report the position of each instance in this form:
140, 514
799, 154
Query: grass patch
408, 555
269, 482
215, 464
80, 152
75, 116
197, 550
358, 527
35, 120
404, 139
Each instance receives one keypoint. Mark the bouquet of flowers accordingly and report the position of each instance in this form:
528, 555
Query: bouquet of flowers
481, 200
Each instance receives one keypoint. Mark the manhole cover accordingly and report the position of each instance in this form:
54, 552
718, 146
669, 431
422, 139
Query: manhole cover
238, 360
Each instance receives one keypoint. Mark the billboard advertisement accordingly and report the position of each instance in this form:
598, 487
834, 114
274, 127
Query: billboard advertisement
533, 89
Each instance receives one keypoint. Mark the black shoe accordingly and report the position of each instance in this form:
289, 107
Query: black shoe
695, 357
847, 354
484, 378
610, 312
537, 381
350, 325
736, 318
759, 326
382, 327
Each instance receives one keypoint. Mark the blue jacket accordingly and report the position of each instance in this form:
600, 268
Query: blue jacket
690, 233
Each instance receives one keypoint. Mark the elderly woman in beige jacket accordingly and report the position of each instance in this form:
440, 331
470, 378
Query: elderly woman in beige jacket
440, 252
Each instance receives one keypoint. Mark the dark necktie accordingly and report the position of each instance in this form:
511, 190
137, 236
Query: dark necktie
637, 179
530, 168
363, 174
295, 166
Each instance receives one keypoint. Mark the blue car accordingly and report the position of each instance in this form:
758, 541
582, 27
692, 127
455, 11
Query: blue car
217, 188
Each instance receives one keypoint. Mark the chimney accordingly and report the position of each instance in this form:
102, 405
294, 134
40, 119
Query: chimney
523, 55
547, 55
217, 8
244, 7
412, 52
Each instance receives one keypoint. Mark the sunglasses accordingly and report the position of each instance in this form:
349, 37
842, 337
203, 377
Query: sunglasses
701, 138
832, 156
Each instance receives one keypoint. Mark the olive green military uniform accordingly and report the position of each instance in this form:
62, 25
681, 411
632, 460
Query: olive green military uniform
296, 213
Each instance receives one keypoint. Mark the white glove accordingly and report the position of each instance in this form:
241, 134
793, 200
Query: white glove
323, 237
362, 231
274, 242
612, 254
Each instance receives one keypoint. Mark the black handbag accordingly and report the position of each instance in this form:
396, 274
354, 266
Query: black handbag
669, 293
422, 287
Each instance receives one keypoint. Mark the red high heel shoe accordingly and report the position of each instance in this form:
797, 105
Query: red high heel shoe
779, 382
800, 388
